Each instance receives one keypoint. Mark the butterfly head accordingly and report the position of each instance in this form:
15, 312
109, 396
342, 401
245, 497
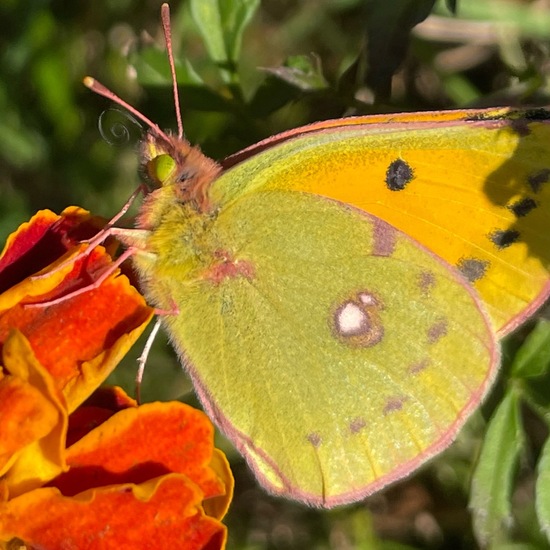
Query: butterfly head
172, 162
169, 161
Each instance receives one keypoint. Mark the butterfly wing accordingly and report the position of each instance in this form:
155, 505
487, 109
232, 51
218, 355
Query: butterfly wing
335, 352
472, 186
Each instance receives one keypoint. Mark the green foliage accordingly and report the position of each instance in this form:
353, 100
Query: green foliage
246, 71
221, 24
505, 462
493, 480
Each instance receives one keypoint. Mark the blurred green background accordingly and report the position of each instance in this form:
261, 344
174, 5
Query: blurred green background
246, 71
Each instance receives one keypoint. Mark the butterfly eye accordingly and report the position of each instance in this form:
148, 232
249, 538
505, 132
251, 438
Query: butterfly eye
161, 168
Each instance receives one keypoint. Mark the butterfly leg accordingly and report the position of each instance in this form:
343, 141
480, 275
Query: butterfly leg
142, 360
96, 284
100, 237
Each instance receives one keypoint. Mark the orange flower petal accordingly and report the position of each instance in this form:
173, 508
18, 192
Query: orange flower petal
217, 506
141, 443
100, 406
80, 340
42, 241
27, 416
161, 513
34, 420
14, 261
113, 398
164, 448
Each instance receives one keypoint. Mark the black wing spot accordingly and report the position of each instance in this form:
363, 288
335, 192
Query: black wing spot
538, 179
522, 207
504, 238
473, 268
398, 175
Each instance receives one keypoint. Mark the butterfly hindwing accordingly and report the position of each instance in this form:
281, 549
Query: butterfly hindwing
334, 351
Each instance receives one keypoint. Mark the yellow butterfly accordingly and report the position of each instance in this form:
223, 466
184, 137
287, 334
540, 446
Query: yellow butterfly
337, 289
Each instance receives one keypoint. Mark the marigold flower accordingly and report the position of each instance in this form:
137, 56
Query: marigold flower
81, 466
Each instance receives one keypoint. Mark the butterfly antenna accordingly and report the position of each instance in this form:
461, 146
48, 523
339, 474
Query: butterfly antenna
165, 15
98, 88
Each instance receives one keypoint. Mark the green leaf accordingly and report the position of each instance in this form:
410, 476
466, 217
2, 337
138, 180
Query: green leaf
388, 35
533, 358
451, 5
221, 24
301, 71
272, 94
519, 18
152, 69
542, 490
493, 478
518, 546
207, 17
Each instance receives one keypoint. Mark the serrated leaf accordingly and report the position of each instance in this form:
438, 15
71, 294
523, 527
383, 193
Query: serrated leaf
533, 358
493, 478
542, 490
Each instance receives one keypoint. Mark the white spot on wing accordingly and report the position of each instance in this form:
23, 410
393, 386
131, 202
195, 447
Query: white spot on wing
367, 299
350, 319
356, 321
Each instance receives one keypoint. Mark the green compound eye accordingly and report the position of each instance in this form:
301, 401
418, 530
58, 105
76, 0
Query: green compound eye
161, 168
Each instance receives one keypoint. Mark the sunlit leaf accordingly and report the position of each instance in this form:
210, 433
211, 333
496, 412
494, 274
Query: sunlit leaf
495, 472
533, 358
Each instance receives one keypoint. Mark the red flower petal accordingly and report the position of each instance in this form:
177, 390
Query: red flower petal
139, 444
80, 340
161, 513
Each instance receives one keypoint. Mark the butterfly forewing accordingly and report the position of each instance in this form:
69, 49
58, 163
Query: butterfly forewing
474, 188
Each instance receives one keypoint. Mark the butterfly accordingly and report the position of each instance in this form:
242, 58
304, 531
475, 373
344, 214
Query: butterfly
336, 292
